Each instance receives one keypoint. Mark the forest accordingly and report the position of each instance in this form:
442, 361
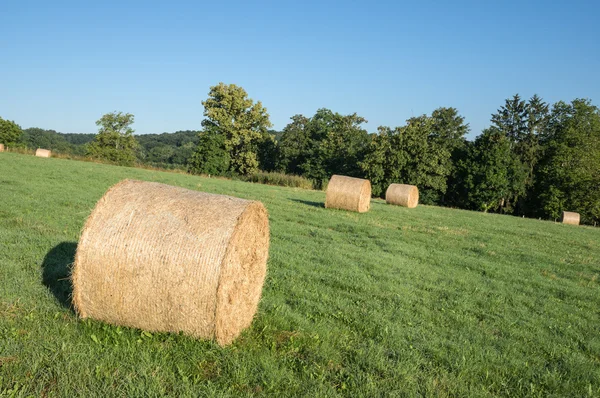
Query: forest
535, 159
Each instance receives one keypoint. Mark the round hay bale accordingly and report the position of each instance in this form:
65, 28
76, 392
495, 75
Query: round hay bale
1, 147
569, 217
162, 258
402, 195
43, 153
348, 193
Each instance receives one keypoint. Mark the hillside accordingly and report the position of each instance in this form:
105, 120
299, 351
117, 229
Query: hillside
429, 301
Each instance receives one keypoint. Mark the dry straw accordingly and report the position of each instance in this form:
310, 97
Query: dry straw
43, 153
348, 193
402, 195
1, 147
569, 217
162, 258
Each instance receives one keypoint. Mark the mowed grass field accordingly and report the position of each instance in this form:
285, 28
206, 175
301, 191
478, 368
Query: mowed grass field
394, 302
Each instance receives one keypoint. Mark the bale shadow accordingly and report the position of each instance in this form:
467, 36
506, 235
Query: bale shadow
56, 272
309, 203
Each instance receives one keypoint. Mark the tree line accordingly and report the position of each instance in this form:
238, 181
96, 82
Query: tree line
536, 159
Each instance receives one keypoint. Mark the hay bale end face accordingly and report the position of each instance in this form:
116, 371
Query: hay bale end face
569, 217
43, 153
1, 147
402, 195
348, 193
162, 258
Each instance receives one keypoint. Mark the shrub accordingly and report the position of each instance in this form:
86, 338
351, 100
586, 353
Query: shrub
284, 180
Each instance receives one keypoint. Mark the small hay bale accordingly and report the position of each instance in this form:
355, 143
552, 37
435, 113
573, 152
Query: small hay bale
402, 195
162, 258
43, 153
1, 147
569, 217
348, 193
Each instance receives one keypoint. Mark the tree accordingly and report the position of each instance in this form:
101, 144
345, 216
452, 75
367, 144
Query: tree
448, 131
491, 172
294, 146
384, 160
523, 123
211, 157
10, 132
161, 154
242, 123
266, 152
418, 153
327, 143
511, 119
49, 139
569, 172
344, 146
115, 141
448, 128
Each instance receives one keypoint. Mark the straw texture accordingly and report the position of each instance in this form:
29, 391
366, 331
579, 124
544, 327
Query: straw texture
402, 195
348, 193
569, 217
162, 258
1, 147
43, 153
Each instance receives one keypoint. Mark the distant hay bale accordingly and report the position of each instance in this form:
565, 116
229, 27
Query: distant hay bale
1, 147
569, 217
43, 153
402, 195
348, 193
162, 258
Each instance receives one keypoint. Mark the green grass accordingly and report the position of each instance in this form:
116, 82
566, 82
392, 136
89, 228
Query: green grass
393, 302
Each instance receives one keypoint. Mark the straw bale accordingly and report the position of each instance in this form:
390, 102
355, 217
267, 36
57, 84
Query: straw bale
569, 217
402, 195
348, 193
43, 153
162, 258
1, 147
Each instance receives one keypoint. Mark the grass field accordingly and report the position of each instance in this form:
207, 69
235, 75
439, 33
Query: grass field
393, 302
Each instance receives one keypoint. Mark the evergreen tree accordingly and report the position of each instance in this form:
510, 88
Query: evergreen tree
522, 123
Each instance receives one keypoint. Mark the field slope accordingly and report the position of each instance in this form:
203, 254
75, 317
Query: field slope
393, 302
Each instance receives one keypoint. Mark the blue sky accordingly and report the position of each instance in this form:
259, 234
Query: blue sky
65, 63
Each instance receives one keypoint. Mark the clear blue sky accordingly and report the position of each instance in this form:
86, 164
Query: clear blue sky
65, 63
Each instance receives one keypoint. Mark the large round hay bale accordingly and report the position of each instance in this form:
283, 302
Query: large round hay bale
1, 147
162, 258
402, 195
348, 193
569, 217
43, 153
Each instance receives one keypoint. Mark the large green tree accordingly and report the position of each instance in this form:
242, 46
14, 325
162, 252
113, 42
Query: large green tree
115, 141
569, 172
522, 122
242, 123
419, 153
490, 173
448, 131
10, 132
327, 143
